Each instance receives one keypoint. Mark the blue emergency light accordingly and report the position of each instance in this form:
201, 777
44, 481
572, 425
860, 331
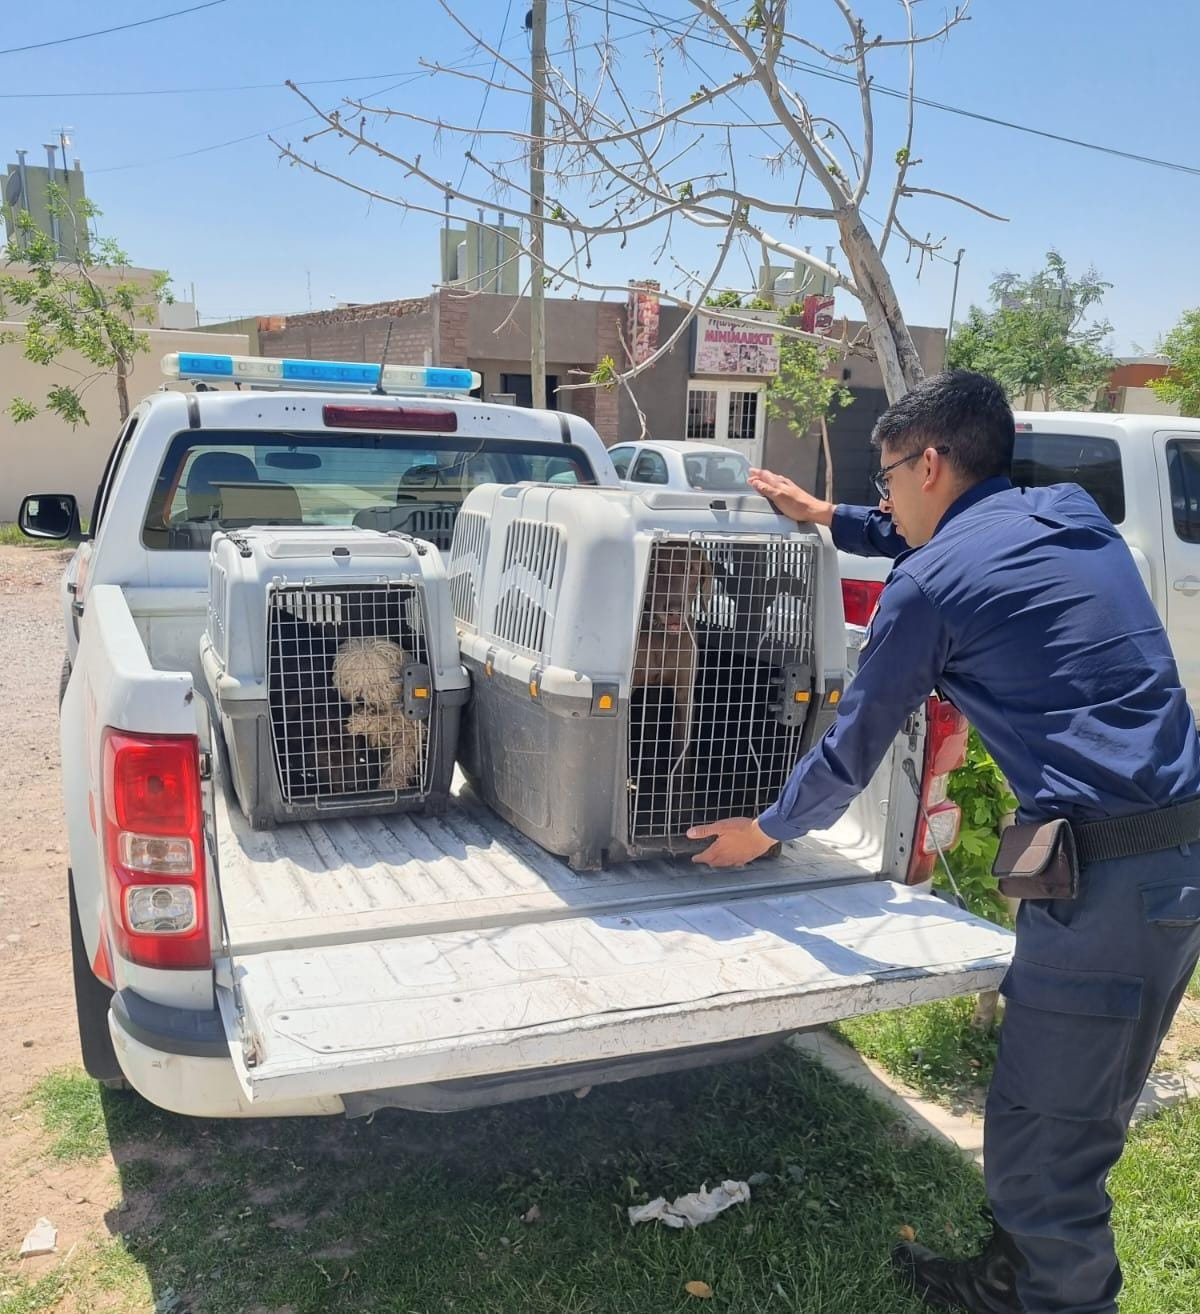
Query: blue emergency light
321, 375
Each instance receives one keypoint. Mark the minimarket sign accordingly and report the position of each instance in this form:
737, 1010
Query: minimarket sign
747, 346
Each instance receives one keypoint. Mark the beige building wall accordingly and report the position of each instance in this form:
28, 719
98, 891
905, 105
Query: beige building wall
44, 455
106, 278
1142, 401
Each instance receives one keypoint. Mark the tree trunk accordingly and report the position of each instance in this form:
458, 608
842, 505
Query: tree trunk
122, 389
828, 454
897, 356
986, 1004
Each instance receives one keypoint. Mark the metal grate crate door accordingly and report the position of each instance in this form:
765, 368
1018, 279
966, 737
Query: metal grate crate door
721, 679
350, 692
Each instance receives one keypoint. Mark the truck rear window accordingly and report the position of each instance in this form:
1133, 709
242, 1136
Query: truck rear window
413, 483
1040, 459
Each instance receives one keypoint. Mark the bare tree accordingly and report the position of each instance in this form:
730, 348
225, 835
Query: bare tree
634, 155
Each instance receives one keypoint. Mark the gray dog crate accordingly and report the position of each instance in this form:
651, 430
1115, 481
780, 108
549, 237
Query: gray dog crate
332, 665
641, 662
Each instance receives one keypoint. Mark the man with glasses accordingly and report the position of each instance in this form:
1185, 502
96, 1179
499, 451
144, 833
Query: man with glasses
1025, 608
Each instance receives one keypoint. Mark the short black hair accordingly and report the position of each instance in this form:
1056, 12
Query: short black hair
958, 409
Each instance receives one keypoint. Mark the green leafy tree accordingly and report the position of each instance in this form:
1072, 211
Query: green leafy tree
804, 393
1182, 348
730, 300
65, 308
1039, 341
981, 791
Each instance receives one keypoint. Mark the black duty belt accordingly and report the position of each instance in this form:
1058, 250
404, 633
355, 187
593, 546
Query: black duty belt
1143, 832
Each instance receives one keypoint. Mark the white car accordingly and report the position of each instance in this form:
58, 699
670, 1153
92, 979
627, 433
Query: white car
687, 467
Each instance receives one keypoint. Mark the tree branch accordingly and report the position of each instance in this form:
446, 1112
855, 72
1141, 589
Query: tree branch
959, 200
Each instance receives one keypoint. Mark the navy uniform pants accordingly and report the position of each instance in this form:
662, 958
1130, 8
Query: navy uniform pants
1094, 984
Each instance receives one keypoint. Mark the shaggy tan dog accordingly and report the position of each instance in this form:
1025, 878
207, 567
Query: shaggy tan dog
400, 736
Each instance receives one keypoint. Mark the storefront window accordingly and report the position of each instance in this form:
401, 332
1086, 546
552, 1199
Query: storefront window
743, 417
702, 413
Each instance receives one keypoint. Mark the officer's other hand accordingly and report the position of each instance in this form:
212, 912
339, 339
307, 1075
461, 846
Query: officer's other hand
791, 499
737, 841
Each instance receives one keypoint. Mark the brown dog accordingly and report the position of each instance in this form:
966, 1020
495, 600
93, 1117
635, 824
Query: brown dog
665, 656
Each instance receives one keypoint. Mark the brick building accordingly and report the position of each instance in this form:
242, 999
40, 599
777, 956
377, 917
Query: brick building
695, 391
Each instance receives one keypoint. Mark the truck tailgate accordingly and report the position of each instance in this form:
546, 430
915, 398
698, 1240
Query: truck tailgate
401, 1010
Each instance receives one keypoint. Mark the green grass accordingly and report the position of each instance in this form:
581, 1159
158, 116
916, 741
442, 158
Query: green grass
11, 536
81, 1121
108, 1279
17, 1297
412, 1214
932, 1047
1157, 1215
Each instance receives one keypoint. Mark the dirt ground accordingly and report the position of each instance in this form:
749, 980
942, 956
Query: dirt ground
38, 1034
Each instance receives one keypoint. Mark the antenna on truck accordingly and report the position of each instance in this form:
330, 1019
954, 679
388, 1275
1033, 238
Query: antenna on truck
387, 342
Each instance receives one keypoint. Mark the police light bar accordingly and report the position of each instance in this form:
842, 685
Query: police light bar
321, 375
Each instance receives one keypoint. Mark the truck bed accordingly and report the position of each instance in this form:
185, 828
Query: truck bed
375, 876
395, 955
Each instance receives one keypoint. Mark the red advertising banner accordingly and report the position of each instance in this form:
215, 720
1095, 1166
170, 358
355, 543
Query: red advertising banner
642, 333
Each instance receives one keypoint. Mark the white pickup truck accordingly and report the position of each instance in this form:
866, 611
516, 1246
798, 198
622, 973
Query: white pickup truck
418, 961
1144, 472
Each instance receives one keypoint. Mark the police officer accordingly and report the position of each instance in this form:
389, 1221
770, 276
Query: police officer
1024, 607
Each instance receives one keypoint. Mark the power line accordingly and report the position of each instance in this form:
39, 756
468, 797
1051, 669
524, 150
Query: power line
487, 90
654, 20
208, 91
203, 150
406, 79
75, 94
237, 141
104, 31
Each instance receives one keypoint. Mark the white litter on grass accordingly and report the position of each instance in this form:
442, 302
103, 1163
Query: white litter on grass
42, 1239
691, 1210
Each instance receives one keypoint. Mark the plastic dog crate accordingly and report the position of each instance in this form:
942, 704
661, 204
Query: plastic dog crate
332, 664
641, 662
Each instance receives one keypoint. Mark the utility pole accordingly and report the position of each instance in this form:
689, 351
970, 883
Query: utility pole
954, 296
535, 21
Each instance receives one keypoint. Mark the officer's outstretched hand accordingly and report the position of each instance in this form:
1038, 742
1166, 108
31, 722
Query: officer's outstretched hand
791, 499
738, 840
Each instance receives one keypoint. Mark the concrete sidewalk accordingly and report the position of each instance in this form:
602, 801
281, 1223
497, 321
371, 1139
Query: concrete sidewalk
963, 1130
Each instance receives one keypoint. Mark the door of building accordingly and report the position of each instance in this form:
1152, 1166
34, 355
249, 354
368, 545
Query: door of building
732, 414
521, 387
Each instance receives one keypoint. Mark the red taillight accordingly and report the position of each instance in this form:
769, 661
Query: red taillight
945, 751
946, 747
422, 420
154, 849
859, 597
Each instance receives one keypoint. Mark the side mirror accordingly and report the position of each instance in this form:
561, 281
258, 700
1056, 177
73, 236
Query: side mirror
50, 515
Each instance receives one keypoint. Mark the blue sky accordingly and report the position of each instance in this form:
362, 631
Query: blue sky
252, 233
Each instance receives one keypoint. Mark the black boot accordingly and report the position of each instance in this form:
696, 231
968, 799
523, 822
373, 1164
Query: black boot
986, 1284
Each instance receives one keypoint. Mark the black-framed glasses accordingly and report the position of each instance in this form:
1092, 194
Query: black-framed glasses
881, 481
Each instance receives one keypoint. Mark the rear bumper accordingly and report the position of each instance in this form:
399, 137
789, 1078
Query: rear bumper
179, 1060
190, 1032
